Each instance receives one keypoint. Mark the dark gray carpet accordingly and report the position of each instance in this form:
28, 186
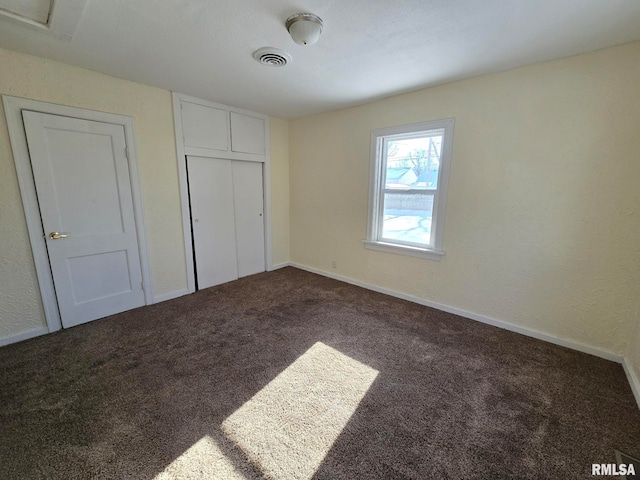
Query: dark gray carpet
145, 394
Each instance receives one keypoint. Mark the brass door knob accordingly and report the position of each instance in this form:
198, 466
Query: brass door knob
56, 235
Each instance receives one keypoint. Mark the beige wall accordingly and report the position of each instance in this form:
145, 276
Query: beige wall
540, 231
38, 79
279, 140
542, 225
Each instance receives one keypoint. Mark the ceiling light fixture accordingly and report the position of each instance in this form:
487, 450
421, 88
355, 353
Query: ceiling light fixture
304, 28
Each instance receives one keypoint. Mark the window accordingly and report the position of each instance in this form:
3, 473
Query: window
408, 190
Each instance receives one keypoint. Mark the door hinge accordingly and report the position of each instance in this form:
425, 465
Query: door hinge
126, 153
142, 286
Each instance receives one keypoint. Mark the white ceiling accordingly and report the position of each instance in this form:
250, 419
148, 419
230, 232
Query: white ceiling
369, 49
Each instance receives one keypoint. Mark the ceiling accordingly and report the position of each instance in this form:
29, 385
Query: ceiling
369, 49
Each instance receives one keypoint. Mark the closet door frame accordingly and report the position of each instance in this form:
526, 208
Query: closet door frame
181, 151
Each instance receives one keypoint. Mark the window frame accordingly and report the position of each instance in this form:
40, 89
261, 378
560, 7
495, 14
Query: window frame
379, 140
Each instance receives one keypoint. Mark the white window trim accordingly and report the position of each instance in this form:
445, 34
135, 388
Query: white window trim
435, 252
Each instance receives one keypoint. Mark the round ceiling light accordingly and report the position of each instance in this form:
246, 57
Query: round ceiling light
272, 57
304, 28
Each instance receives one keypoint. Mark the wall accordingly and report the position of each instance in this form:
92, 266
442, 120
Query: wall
39, 79
279, 151
542, 225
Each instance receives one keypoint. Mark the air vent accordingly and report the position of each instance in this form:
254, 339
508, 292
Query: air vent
272, 57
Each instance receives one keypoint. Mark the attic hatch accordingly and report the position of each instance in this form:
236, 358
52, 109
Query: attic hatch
35, 10
56, 17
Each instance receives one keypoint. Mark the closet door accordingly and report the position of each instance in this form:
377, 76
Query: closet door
212, 220
249, 210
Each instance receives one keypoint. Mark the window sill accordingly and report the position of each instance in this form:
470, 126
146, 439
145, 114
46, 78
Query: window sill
404, 250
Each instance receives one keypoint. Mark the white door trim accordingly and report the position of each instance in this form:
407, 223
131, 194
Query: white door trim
13, 107
184, 193
182, 179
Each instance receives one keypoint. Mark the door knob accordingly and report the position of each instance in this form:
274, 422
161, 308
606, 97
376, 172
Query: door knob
56, 235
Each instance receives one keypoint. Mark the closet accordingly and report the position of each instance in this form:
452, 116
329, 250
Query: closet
225, 166
227, 218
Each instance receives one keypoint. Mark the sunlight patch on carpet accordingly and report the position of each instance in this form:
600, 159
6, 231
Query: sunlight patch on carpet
289, 426
203, 459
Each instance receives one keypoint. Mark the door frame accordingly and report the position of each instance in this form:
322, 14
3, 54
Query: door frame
13, 107
182, 152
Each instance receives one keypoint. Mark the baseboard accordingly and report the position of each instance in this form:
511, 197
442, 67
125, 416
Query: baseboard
27, 334
170, 296
607, 355
633, 379
279, 266
180, 293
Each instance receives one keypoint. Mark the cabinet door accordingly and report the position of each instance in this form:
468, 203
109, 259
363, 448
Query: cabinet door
249, 216
212, 220
247, 134
205, 127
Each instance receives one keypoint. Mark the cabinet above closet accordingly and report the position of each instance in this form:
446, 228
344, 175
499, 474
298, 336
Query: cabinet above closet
215, 130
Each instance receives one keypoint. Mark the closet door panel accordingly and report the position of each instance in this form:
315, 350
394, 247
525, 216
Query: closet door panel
249, 216
212, 219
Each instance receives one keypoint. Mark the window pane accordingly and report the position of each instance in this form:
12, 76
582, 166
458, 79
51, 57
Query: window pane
410, 168
407, 217
414, 163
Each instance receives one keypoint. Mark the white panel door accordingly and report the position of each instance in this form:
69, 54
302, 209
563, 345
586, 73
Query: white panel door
247, 134
249, 216
81, 175
212, 218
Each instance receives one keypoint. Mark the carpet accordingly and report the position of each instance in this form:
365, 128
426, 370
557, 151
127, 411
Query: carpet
288, 374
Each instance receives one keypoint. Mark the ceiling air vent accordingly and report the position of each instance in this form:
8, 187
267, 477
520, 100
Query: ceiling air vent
272, 57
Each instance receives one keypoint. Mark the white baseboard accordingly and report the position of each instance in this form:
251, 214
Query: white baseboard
170, 296
633, 379
279, 266
34, 332
598, 352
